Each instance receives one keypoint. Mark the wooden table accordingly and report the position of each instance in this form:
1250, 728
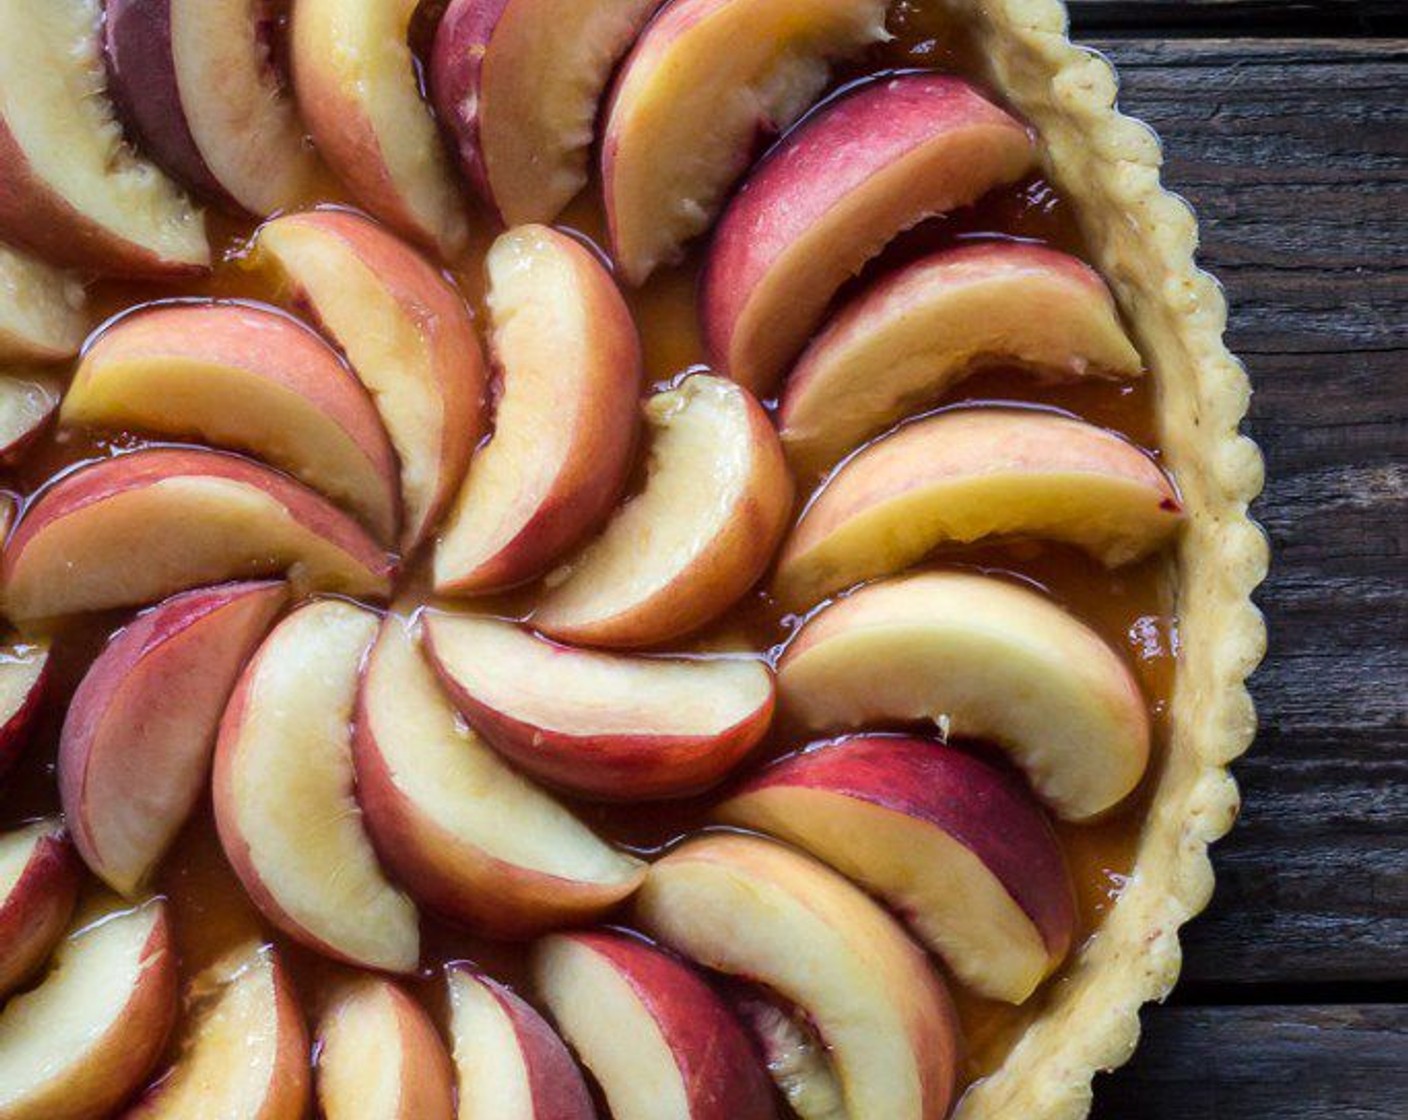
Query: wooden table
1286, 126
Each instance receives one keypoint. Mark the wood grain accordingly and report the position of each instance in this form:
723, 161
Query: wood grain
1255, 1063
1295, 155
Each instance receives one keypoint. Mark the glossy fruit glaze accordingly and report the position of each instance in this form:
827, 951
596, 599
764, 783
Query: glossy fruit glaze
1130, 607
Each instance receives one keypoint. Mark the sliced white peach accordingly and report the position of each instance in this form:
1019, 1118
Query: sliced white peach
248, 378
705, 80
517, 84
283, 793
39, 877
380, 1058
905, 342
604, 725
661, 1044
716, 501
953, 843
70, 188
753, 909
134, 753
358, 88
138, 527
243, 1054
85, 1039
196, 81
569, 357
24, 675
973, 473
42, 315
27, 403
406, 333
466, 833
985, 659
831, 195
509, 1063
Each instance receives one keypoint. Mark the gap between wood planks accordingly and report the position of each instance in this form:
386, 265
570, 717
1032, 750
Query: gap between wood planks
1264, 19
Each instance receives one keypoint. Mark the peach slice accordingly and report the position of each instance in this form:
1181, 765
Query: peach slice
703, 82
196, 81
751, 908
511, 1065
284, 801
407, 334
964, 475
120, 533
39, 877
24, 675
660, 1043
906, 341
467, 835
570, 359
358, 88
517, 83
42, 316
27, 403
953, 843
244, 1054
603, 725
831, 195
70, 189
248, 378
716, 502
79, 1044
134, 753
982, 658
380, 1058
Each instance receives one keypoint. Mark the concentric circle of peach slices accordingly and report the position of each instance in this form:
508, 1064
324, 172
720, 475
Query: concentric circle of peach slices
578, 559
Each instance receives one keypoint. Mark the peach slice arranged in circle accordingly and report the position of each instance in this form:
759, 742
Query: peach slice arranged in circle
612, 726
283, 791
85, 1039
39, 878
70, 188
134, 754
703, 81
570, 361
953, 843
24, 674
42, 317
517, 83
905, 342
982, 658
244, 1055
831, 195
657, 1039
380, 1057
468, 835
247, 378
510, 1064
716, 501
968, 474
196, 81
119, 532
407, 335
359, 92
27, 404
753, 909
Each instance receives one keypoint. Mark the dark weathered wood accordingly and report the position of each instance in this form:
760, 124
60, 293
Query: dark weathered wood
1259, 18
1295, 155
1245, 1063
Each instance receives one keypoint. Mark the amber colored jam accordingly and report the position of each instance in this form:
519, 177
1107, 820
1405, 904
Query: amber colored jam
1131, 607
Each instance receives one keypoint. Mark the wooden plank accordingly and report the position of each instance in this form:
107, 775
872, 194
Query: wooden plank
1259, 18
1252, 1063
1295, 155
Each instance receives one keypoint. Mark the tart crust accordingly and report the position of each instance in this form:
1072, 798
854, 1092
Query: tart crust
1143, 240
